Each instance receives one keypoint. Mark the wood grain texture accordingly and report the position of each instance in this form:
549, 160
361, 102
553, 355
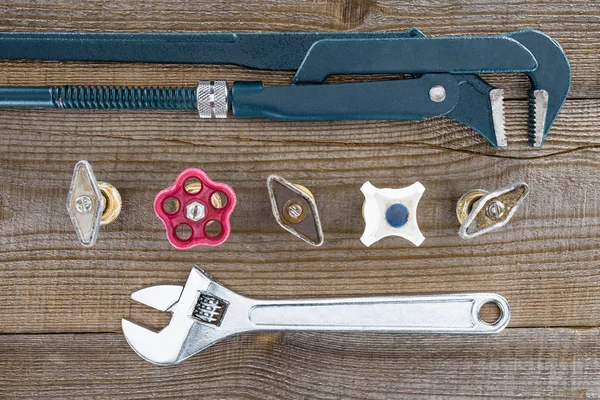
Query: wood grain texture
520, 363
61, 304
551, 246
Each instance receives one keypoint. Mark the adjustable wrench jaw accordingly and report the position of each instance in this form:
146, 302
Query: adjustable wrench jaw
195, 325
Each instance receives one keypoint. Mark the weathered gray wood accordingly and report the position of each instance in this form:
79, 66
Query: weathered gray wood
545, 261
61, 304
518, 363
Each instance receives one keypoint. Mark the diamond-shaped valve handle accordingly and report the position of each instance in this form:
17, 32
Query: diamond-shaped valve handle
91, 204
295, 210
391, 212
195, 210
480, 211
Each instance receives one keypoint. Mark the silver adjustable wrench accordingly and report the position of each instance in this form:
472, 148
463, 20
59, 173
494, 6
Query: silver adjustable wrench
204, 312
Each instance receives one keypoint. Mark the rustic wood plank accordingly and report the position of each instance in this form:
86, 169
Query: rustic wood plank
518, 363
545, 261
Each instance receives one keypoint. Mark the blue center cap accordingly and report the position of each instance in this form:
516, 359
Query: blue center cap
396, 215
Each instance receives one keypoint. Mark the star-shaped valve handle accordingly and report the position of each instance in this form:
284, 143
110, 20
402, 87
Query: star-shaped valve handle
391, 212
195, 210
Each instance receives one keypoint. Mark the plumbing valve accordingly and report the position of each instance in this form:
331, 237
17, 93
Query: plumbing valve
195, 210
480, 211
91, 203
391, 212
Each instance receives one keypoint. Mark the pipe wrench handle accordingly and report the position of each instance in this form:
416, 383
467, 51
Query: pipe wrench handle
405, 99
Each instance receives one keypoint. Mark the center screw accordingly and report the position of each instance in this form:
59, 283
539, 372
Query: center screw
495, 210
83, 204
295, 210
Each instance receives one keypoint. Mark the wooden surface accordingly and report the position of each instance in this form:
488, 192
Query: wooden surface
61, 304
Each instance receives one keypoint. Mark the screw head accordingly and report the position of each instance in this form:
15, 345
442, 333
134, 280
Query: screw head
437, 94
495, 210
294, 211
84, 204
195, 211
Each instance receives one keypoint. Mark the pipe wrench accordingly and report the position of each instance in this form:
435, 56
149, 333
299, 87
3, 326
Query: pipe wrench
205, 312
443, 74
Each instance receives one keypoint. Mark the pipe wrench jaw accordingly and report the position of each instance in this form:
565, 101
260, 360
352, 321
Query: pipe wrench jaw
528, 51
189, 304
550, 82
481, 108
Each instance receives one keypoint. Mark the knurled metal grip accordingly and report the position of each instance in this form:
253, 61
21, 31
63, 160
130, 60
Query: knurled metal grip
212, 99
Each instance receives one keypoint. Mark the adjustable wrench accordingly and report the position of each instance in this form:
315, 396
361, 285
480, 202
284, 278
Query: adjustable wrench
204, 312
444, 70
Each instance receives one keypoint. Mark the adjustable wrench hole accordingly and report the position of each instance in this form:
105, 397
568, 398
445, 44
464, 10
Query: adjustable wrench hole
490, 312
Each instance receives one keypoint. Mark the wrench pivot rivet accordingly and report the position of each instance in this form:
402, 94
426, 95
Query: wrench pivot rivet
437, 94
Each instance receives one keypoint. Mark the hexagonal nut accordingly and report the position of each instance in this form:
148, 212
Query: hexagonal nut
195, 211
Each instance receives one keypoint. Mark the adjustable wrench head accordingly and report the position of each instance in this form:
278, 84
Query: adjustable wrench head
194, 324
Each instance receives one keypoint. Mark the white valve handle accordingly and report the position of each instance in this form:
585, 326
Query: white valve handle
391, 212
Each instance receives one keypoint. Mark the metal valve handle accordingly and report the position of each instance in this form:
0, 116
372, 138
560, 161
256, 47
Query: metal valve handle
194, 203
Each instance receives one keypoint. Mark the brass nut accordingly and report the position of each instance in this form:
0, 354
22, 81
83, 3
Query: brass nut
112, 203
466, 202
305, 190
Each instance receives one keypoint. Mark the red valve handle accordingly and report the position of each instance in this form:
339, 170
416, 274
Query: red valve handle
196, 209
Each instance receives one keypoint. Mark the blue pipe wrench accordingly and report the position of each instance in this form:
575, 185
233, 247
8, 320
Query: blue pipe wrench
444, 75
